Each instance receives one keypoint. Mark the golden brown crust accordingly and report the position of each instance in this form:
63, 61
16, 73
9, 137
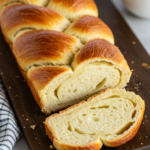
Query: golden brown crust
91, 26
4, 3
75, 7
41, 76
22, 16
93, 146
99, 48
43, 46
90, 23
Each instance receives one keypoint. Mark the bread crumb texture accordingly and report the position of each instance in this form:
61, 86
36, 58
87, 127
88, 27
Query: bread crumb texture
112, 117
51, 147
33, 127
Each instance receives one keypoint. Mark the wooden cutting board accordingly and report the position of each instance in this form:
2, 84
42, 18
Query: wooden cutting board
28, 112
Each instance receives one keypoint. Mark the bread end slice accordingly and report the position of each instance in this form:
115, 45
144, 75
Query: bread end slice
82, 126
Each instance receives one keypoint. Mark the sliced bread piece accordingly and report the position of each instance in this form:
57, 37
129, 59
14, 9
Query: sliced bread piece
111, 117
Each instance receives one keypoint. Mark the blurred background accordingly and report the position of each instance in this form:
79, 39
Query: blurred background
137, 15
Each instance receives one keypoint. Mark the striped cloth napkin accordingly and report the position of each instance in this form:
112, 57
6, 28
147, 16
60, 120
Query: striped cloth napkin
9, 129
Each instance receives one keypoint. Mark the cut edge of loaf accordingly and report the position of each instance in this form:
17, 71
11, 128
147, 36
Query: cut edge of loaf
60, 74
98, 143
108, 53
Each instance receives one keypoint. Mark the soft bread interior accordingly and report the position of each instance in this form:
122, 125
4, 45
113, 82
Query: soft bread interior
66, 90
109, 116
45, 81
89, 80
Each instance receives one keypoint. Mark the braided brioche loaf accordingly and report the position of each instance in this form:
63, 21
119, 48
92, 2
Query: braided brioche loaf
64, 51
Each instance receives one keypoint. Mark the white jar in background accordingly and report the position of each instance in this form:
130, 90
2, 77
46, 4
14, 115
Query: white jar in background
140, 8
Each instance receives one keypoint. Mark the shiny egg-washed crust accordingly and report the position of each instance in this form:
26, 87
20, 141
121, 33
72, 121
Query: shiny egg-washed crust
4, 3
49, 46
89, 27
98, 144
19, 17
100, 49
76, 8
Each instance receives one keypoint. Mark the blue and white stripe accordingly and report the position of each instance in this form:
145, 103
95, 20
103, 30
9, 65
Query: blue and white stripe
9, 130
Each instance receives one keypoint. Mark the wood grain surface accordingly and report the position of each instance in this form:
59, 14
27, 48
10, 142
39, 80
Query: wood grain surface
28, 112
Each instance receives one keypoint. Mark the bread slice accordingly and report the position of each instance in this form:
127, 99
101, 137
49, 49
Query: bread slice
111, 117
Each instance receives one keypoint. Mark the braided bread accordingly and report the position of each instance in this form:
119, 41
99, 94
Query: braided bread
64, 51
67, 54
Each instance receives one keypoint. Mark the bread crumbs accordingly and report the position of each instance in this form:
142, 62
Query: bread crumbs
51, 146
144, 64
133, 42
33, 127
148, 67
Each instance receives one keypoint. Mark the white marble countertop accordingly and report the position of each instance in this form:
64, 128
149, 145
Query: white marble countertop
139, 26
